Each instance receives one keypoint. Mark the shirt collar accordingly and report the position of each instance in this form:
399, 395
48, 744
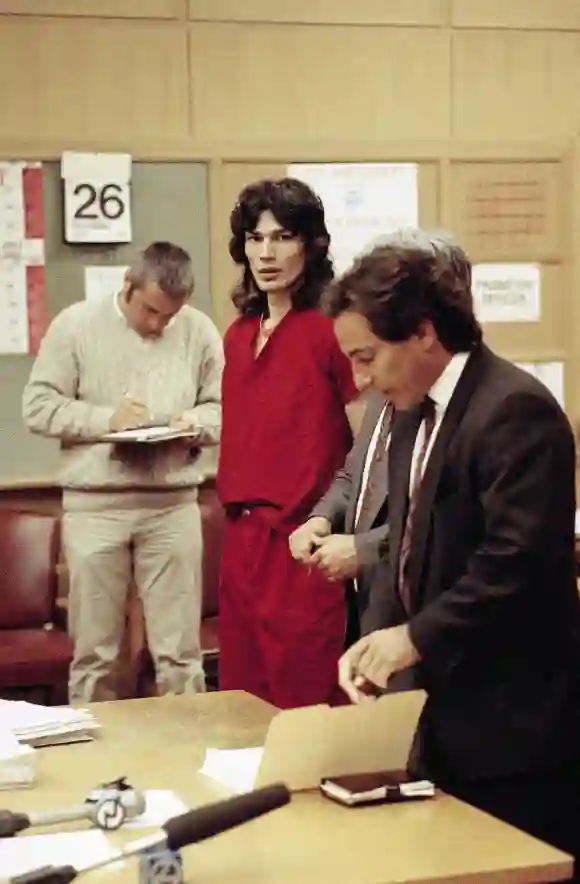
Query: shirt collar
117, 306
443, 388
124, 318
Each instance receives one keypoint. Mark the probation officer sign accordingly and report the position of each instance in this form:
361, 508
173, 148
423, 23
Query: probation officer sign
507, 292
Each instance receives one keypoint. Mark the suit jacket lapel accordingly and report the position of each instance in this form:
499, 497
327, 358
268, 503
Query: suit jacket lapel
451, 420
372, 414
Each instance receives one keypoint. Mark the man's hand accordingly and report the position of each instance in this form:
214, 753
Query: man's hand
186, 425
181, 422
304, 540
373, 659
336, 556
130, 415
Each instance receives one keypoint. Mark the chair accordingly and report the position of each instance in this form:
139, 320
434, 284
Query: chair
213, 527
35, 649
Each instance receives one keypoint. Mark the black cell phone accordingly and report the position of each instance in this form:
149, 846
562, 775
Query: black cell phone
384, 787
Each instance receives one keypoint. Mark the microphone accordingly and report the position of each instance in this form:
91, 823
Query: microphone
107, 806
205, 822
180, 831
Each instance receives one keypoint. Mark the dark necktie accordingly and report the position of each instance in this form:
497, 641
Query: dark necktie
376, 475
428, 414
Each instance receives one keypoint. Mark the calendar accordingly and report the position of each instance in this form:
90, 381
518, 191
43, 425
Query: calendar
23, 314
97, 197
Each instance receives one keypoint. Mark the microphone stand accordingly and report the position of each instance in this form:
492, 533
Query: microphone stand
107, 806
179, 831
66, 874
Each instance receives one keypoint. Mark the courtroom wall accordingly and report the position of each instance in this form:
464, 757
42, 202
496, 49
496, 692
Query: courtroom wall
154, 71
478, 92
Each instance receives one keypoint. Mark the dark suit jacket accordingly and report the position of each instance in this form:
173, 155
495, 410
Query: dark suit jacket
495, 610
339, 503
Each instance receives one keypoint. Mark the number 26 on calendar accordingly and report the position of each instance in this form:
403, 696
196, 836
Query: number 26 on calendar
105, 201
97, 212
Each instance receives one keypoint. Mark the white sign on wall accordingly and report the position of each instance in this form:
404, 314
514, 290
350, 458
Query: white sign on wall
97, 198
104, 281
506, 292
363, 202
551, 374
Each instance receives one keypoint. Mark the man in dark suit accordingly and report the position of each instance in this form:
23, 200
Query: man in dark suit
347, 528
480, 595
352, 503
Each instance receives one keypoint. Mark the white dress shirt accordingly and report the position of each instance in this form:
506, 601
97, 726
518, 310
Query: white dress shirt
368, 461
441, 393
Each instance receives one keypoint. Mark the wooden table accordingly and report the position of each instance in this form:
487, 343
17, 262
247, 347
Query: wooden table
160, 744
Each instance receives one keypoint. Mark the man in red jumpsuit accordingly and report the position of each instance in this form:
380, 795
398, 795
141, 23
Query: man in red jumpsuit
286, 392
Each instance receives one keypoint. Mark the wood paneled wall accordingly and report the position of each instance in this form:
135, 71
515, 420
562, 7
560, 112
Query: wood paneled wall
474, 90
224, 70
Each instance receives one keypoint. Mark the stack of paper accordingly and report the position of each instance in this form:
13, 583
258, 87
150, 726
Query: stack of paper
17, 762
46, 725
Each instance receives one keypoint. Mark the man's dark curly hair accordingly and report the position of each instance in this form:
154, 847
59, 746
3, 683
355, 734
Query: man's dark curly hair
299, 211
401, 284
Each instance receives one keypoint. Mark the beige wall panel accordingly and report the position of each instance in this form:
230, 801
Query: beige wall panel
536, 341
234, 176
364, 12
96, 8
82, 79
572, 282
555, 14
508, 211
335, 83
515, 84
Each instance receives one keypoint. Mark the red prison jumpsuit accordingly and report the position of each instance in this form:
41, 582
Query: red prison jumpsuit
284, 435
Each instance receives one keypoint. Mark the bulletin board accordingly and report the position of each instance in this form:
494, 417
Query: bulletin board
169, 202
515, 212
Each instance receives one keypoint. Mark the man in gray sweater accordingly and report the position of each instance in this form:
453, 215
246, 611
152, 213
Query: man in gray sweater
130, 510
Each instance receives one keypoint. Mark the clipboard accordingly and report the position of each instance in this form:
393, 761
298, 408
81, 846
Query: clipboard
150, 435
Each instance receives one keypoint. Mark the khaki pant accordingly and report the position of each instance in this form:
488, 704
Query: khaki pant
154, 539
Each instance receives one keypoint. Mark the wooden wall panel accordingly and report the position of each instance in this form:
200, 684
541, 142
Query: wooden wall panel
255, 84
542, 341
364, 12
546, 14
82, 79
514, 84
96, 8
572, 283
264, 81
509, 211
